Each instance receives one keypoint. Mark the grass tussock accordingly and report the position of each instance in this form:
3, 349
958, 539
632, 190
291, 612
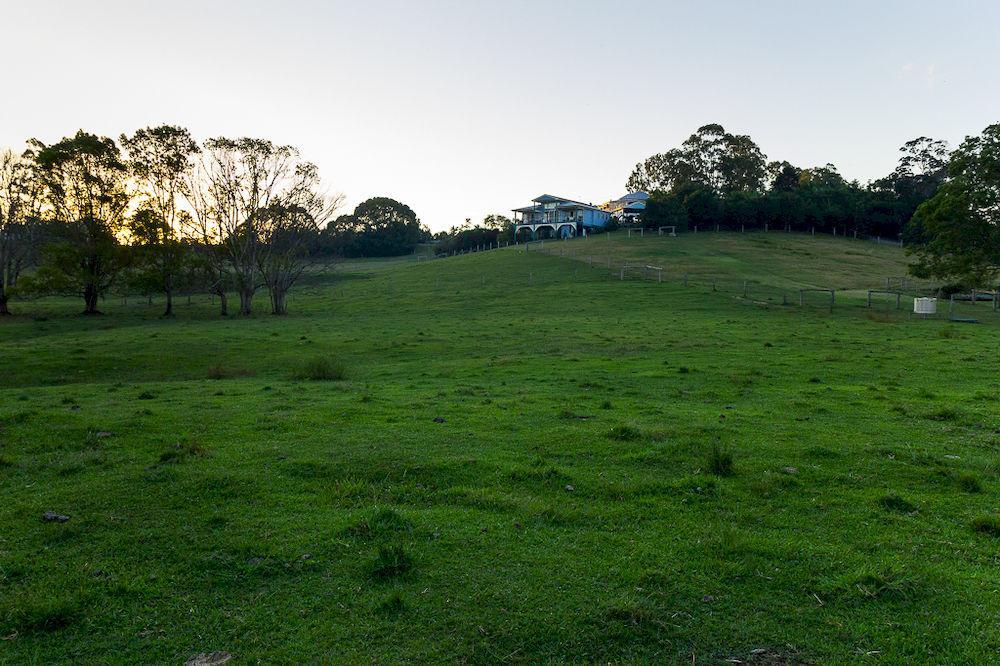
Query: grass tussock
874, 583
380, 523
390, 562
183, 451
624, 433
989, 525
895, 503
41, 615
322, 369
219, 371
721, 460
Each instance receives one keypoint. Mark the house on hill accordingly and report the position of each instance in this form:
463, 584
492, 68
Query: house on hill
556, 217
628, 208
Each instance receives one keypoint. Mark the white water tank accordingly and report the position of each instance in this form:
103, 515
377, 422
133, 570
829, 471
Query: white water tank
925, 306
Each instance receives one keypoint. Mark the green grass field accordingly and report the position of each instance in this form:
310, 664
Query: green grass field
525, 461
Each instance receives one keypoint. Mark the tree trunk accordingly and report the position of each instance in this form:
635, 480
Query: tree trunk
90, 300
278, 306
4, 310
168, 288
223, 303
246, 301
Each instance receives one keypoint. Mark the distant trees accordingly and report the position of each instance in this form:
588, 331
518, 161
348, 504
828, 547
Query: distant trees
958, 229
724, 180
379, 227
492, 230
82, 215
711, 157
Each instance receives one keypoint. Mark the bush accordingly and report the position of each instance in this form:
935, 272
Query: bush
322, 368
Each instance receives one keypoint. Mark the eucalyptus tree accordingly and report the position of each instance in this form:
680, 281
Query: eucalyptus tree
160, 160
959, 227
235, 181
288, 232
84, 186
18, 221
711, 158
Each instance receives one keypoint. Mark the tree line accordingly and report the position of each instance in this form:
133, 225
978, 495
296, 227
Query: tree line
158, 212
944, 204
716, 178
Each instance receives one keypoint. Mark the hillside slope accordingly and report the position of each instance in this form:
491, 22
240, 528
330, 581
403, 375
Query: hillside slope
527, 461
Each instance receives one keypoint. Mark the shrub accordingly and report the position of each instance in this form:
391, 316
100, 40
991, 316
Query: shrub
322, 369
720, 460
391, 561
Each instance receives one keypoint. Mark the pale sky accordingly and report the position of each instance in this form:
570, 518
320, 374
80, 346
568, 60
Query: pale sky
463, 108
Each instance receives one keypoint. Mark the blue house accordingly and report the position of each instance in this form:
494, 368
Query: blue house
628, 209
555, 217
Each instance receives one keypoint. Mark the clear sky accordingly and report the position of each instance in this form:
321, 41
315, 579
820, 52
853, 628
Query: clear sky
462, 108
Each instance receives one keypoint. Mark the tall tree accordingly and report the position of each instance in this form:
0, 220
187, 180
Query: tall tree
289, 230
235, 181
160, 160
19, 214
381, 227
711, 157
159, 255
85, 189
960, 225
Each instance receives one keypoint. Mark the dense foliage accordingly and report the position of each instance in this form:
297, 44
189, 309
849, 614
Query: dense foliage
492, 230
717, 179
959, 227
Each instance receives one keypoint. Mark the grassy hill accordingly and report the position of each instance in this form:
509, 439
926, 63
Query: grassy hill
526, 461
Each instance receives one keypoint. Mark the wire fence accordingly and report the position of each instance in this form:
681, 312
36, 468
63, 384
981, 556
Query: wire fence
893, 295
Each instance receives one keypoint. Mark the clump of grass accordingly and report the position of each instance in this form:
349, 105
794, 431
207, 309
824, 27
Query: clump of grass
45, 614
945, 414
987, 525
180, 452
969, 482
322, 369
606, 404
893, 502
881, 583
391, 606
146, 395
721, 460
391, 562
383, 521
683, 370
624, 433
219, 371
6, 462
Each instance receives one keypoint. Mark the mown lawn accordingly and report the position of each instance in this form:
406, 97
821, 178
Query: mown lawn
526, 462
